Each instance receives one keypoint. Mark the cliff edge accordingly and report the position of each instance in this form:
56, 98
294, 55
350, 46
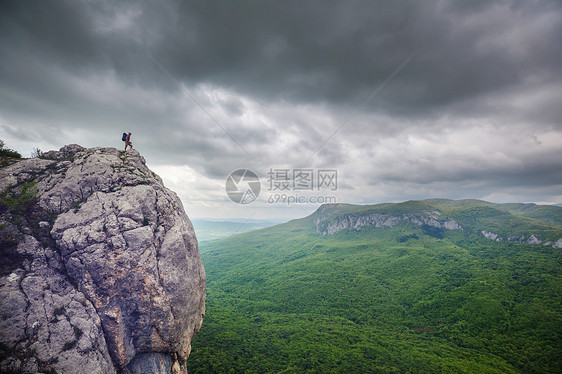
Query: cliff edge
100, 269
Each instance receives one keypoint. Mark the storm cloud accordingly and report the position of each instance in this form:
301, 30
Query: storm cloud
406, 99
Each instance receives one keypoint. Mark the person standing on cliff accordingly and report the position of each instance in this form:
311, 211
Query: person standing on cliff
127, 140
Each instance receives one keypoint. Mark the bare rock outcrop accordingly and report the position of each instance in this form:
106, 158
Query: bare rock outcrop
328, 225
100, 268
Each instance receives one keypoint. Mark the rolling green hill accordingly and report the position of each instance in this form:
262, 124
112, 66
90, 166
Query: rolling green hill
399, 289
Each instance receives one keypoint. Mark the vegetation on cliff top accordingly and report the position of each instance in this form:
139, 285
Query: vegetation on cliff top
7, 156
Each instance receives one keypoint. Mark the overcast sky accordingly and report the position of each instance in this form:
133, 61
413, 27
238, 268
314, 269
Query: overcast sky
405, 99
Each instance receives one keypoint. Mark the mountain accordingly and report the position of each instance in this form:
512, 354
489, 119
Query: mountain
416, 287
100, 269
527, 223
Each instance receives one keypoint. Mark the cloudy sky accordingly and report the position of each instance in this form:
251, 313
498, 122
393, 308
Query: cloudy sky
405, 99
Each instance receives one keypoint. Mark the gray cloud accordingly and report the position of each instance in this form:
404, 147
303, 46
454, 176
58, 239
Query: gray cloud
295, 51
283, 77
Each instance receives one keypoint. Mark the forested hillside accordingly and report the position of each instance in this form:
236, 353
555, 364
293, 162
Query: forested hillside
408, 297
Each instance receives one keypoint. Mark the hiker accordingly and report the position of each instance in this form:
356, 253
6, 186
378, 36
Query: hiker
127, 139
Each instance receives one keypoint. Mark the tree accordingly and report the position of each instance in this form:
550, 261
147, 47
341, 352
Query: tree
6, 152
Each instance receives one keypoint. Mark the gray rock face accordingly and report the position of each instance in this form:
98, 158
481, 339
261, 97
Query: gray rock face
531, 239
492, 236
357, 221
100, 270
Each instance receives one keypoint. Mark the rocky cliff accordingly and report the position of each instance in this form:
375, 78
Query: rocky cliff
326, 224
100, 269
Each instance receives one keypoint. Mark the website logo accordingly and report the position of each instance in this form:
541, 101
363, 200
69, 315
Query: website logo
243, 186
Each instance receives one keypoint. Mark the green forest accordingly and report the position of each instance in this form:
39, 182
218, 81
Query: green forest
400, 299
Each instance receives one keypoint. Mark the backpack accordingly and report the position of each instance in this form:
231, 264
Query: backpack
124, 138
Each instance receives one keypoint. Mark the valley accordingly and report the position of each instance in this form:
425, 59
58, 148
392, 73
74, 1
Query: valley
411, 296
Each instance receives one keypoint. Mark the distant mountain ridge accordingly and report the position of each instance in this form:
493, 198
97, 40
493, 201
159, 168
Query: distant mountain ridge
524, 223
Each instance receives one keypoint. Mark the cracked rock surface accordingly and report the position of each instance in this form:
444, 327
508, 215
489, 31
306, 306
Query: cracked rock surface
100, 269
326, 225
